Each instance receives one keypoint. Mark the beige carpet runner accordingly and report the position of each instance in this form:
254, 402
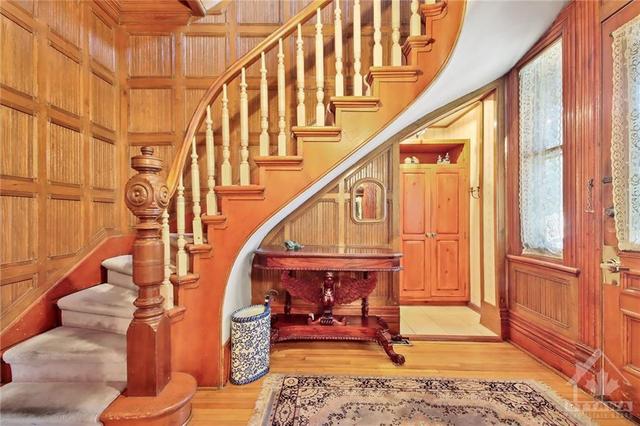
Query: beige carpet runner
349, 400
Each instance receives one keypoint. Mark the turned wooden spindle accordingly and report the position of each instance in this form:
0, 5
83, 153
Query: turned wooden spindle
167, 287
319, 70
196, 223
212, 202
244, 131
181, 255
357, 76
301, 113
396, 50
377, 33
264, 108
225, 169
282, 105
337, 31
148, 335
414, 23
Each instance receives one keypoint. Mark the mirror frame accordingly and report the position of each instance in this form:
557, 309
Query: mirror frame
383, 190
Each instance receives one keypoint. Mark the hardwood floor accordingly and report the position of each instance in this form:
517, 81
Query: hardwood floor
233, 405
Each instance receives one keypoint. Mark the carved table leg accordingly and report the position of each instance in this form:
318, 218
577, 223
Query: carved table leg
384, 339
365, 307
287, 303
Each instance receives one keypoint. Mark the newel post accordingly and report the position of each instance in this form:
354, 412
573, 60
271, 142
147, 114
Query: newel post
148, 336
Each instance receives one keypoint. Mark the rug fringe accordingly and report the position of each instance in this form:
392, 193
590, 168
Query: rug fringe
261, 413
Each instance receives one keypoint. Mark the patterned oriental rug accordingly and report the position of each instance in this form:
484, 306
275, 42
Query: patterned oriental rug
349, 400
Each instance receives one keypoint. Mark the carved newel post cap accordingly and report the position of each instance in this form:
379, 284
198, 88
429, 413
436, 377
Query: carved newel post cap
146, 193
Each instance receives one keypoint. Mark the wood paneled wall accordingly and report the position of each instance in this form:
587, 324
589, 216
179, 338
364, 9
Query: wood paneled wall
170, 65
326, 220
60, 153
555, 303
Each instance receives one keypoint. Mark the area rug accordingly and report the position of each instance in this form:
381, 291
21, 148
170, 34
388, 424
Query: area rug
299, 400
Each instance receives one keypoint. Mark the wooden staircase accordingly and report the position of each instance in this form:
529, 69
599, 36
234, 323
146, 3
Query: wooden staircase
224, 214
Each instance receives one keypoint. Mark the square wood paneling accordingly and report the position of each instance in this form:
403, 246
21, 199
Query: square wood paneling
103, 216
103, 164
150, 55
150, 110
18, 213
12, 291
259, 12
205, 55
62, 94
17, 45
64, 226
64, 155
103, 102
63, 17
18, 147
101, 42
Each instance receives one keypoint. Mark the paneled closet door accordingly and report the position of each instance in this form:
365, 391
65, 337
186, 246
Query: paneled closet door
415, 217
449, 220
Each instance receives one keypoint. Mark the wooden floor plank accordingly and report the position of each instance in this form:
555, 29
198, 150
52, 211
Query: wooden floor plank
233, 405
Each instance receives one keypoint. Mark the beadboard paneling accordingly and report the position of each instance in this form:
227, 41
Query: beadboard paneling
65, 222
64, 155
103, 102
16, 55
150, 55
63, 18
150, 110
205, 55
18, 149
62, 94
102, 42
103, 157
18, 213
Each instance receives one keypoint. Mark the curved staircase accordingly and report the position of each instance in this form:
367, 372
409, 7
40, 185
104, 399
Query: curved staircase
238, 198
70, 374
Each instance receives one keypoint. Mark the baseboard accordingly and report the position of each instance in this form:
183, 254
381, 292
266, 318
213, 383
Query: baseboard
451, 338
473, 307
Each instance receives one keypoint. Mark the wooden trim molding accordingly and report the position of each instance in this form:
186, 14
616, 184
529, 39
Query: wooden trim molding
543, 264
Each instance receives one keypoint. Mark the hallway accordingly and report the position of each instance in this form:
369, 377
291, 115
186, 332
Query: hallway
233, 405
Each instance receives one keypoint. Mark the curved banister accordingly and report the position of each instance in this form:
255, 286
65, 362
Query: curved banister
233, 71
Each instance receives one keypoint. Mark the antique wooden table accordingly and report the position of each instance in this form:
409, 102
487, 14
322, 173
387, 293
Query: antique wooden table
328, 288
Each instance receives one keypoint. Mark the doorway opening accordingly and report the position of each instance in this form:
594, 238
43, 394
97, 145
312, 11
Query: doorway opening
448, 176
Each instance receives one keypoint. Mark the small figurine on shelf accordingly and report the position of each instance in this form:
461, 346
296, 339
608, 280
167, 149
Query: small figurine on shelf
408, 160
292, 245
446, 160
439, 161
415, 160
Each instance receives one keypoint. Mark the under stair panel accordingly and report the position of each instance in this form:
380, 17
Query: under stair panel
69, 354
53, 404
105, 307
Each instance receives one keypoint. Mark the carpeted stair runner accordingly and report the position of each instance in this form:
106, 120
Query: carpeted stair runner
69, 375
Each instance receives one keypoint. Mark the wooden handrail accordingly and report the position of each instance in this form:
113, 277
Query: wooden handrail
233, 71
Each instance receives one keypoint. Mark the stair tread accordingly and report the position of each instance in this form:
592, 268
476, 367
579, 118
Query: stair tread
70, 344
105, 299
56, 403
122, 264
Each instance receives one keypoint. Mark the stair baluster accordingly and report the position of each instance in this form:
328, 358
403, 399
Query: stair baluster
244, 131
282, 138
195, 194
377, 34
414, 23
181, 256
357, 77
264, 108
226, 153
319, 70
212, 202
167, 288
337, 36
300, 109
396, 50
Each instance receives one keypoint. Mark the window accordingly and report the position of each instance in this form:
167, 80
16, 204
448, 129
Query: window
540, 124
625, 134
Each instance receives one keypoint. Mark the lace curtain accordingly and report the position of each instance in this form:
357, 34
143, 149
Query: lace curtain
625, 134
541, 207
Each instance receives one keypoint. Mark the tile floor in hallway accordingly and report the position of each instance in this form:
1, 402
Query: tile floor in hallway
441, 320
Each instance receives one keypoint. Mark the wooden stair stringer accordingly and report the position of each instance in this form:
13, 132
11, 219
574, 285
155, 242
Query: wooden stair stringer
244, 212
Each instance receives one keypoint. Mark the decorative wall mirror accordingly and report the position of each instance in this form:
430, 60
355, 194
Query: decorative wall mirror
368, 201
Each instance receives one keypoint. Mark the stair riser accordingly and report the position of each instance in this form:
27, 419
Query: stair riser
69, 371
120, 279
95, 321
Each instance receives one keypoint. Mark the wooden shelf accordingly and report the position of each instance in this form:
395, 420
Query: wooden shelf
427, 150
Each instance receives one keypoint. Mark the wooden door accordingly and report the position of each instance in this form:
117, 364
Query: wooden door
434, 223
414, 208
449, 221
620, 295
